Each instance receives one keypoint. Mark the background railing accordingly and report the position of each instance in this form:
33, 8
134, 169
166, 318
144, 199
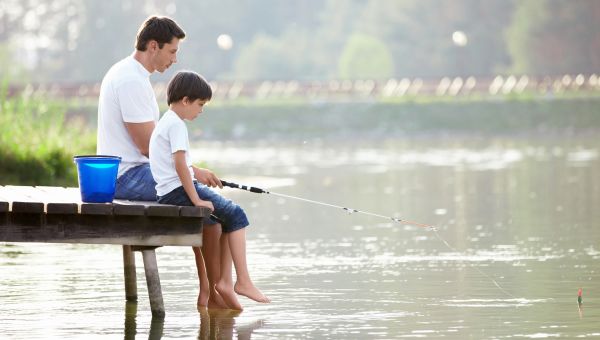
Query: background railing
354, 89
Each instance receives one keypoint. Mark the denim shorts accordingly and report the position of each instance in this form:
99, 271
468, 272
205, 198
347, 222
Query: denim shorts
229, 214
136, 184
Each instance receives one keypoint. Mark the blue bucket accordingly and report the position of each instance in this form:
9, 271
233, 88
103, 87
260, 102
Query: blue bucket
97, 177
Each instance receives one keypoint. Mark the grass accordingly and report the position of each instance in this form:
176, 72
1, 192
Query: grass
37, 143
39, 136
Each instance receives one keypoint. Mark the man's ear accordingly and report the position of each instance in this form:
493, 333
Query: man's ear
152, 45
185, 100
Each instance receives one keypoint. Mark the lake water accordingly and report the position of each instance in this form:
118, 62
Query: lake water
517, 235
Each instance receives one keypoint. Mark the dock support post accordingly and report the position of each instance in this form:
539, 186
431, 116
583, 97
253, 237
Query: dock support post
153, 281
129, 271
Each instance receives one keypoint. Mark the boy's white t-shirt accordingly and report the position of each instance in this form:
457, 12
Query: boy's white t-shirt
169, 136
126, 95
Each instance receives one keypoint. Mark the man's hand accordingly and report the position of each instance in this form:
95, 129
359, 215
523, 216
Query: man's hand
207, 177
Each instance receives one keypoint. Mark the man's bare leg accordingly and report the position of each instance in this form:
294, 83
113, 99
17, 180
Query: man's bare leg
225, 284
210, 248
243, 285
204, 294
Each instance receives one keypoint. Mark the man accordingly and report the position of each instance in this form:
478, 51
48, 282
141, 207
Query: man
127, 114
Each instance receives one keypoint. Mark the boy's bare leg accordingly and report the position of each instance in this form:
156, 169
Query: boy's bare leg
204, 294
243, 285
210, 247
225, 284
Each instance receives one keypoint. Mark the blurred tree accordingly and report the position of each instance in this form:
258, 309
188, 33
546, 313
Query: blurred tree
276, 58
73, 40
554, 37
365, 57
337, 21
252, 25
10, 70
419, 34
94, 37
29, 28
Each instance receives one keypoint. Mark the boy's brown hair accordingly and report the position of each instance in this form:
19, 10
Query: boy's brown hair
188, 84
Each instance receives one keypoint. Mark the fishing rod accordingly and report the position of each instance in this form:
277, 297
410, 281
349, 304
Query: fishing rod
349, 210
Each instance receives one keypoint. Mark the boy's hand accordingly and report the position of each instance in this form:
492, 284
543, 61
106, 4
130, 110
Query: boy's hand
207, 177
205, 204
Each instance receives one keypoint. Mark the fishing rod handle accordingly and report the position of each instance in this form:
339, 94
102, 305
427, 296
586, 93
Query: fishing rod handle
243, 187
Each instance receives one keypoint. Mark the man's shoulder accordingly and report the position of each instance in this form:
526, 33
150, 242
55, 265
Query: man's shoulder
124, 71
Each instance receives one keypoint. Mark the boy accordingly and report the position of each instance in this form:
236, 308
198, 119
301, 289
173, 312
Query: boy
171, 167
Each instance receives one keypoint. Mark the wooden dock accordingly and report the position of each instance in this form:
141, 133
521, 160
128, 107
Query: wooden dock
57, 215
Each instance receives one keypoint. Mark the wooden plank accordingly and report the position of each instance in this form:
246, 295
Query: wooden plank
129, 209
28, 194
4, 205
50, 197
23, 196
60, 200
102, 229
128, 202
188, 240
62, 208
188, 211
96, 209
61, 194
28, 207
163, 210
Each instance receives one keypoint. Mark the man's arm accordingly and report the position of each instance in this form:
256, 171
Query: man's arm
140, 134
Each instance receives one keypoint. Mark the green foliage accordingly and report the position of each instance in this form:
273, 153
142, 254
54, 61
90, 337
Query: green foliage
554, 37
381, 120
365, 57
269, 57
37, 144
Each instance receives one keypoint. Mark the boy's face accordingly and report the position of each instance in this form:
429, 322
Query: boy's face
164, 57
193, 108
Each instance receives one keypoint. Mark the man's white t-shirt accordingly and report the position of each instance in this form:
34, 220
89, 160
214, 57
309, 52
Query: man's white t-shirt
126, 95
170, 135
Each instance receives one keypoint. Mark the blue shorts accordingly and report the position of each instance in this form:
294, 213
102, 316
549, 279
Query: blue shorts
229, 214
136, 184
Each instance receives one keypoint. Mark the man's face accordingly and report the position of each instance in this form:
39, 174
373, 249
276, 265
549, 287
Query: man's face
166, 56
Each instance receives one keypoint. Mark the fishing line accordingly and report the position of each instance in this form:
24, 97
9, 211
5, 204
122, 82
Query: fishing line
350, 210
476, 268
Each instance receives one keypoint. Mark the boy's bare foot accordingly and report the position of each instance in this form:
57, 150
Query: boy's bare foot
251, 292
228, 295
216, 301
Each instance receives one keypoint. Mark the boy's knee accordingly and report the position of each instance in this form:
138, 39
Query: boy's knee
238, 213
236, 219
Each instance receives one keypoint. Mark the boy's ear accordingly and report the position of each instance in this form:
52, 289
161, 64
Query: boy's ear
185, 100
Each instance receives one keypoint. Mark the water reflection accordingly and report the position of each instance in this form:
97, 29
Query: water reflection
522, 215
156, 324
220, 324
214, 324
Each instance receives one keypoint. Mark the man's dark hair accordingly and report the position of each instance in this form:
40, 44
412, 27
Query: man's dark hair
188, 84
161, 29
